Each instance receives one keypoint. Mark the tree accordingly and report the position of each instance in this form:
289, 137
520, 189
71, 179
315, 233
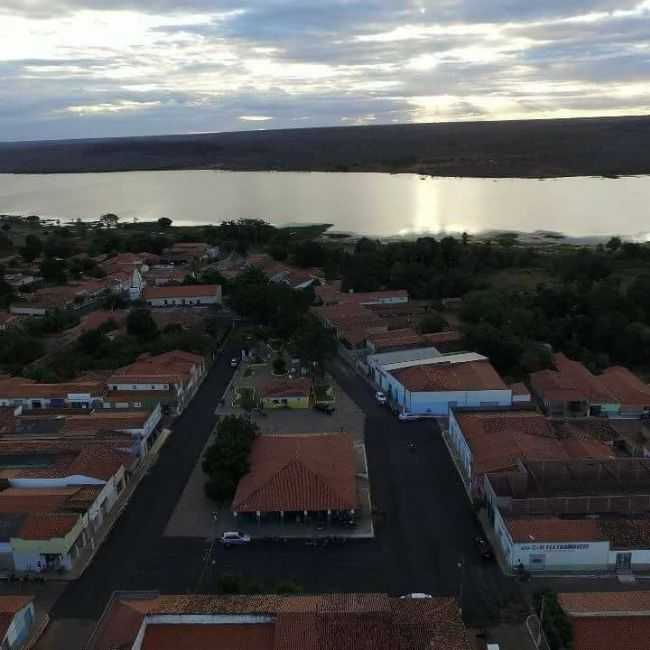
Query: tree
141, 324
32, 249
614, 244
432, 322
109, 220
312, 342
279, 366
164, 222
92, 341
53, 270
226, 460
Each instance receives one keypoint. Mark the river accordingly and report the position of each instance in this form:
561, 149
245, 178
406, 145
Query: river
369, 203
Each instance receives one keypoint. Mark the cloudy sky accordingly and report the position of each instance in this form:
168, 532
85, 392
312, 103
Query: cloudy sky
91, 68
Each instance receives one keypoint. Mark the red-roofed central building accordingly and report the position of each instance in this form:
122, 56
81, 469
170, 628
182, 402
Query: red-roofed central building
310, 473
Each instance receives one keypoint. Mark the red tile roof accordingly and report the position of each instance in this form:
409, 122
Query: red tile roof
553, 529
9, 607
329, 294
67, 457
169, 368
450, 336
498, 439
300, 387
519, 389
13, 604
463, 376
299, 472
608, 620
625, 386
98, 421
329, 622
183, 291
209, 637
21, 388
395, 338
569, 382
605, 603
46, 526
98, 318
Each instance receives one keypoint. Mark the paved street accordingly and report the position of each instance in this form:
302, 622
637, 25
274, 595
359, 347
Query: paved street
424, 525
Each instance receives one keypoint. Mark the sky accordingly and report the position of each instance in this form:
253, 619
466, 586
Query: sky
98, 68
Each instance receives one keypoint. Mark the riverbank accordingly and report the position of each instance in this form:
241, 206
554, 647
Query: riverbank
607, 147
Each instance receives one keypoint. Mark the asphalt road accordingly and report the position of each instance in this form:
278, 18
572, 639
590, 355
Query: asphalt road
424, 529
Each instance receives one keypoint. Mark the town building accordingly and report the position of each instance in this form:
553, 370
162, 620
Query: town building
432, 385
56, 495
572, 516
17, 618
496, 440
148, 621
286, 393
82, 393
190, 294
392, 340
312, 475
282, 273
602, 620
170, 379
135, 430
571, 390
351, 315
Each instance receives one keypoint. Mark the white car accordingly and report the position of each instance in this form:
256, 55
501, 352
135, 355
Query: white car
380, 397
234, 537
416, 596
234, 362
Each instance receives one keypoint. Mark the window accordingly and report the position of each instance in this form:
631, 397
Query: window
137, 404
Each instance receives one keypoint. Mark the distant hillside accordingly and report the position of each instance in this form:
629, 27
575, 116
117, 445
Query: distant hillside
535, 148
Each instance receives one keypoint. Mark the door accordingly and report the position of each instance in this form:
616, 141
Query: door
623, 561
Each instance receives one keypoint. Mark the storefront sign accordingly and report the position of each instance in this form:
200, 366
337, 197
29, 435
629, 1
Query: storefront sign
554, 547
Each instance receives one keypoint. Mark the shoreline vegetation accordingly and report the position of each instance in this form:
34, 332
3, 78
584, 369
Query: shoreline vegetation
608, 147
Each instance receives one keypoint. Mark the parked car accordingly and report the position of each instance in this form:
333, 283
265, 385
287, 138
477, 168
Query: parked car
234, 362
234, 538
416, 596
324, 408
380, 397
483, 548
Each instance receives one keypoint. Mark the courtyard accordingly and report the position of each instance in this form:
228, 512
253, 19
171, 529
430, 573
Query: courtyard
196, 515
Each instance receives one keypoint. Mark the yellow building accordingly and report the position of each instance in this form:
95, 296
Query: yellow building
286, 393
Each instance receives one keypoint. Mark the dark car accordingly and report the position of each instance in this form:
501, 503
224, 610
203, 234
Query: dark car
324, 408
483, 548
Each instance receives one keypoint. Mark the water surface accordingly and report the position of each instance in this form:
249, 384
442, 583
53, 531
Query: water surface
374, 204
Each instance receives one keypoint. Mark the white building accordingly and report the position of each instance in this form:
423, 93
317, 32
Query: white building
431, 385
18, 391
576, 516
59, 495
184, 295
